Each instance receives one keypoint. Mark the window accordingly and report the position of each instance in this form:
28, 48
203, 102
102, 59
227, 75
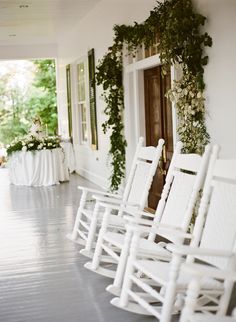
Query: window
86, 101
82, 90
69, 108
92, 99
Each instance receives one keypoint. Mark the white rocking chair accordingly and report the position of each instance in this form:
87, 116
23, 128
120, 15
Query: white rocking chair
184, 180
198, 273
215, 229
135, 194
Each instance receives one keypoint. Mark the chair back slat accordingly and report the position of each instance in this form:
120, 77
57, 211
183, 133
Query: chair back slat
220, 226
225, 169
140, 177
147, 153
178, 199
184, 180
216, 221
188, 162
142, 172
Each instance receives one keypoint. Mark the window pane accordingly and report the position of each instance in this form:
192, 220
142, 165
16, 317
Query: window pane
81, 81
84, 132
83, 112
80, 68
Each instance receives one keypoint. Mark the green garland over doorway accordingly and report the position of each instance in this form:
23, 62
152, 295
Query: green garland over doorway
181, 42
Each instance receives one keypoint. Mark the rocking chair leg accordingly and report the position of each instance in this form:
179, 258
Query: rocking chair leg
225, 298
166, 311
123, 260
92, 229
191, 300
98, 249
74, 234
127, 284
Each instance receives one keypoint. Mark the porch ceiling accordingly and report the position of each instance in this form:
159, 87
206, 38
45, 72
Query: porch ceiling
26, 22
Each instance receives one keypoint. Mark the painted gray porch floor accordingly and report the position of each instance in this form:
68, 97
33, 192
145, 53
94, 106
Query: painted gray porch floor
42, 277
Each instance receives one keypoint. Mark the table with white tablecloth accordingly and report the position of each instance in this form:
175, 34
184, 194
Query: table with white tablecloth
38, 168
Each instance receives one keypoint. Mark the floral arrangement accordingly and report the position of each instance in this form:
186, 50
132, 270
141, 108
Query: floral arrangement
33, 143
189, 102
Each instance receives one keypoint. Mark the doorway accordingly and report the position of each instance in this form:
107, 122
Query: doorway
158, 124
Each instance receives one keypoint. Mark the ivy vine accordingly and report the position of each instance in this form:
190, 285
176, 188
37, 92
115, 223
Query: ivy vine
181, 41
109, 74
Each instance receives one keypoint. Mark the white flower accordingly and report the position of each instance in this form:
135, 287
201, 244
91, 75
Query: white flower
24, 148
191, 94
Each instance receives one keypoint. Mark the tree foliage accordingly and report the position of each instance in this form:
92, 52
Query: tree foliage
44, 104
19, 104
12, 101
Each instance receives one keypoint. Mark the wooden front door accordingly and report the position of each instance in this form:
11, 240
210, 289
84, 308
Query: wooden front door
158, 121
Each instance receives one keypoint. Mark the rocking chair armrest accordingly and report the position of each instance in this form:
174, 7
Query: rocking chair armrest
160, 230
139, 221
106, 199
202, 270
140, 213
100, 192
148, 214
147, 222
156, 225
173, 232
116, 205
189, 250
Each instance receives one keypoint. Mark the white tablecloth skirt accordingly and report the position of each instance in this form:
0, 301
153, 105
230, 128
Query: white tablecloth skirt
69, 155
38, 168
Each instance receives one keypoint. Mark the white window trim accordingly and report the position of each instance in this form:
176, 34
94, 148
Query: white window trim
77, 129
134, 112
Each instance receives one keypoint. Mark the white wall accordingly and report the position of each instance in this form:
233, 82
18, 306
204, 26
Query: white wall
220, 73
95, 31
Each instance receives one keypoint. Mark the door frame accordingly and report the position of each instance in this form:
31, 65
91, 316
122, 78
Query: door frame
134, 112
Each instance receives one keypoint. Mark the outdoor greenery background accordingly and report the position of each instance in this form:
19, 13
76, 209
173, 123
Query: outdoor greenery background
21, 100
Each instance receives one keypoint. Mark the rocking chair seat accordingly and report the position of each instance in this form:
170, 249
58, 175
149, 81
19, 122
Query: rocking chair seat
115, 220
151, 268
145, 246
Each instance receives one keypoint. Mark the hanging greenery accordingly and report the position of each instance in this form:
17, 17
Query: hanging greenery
109, 74
182, 42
